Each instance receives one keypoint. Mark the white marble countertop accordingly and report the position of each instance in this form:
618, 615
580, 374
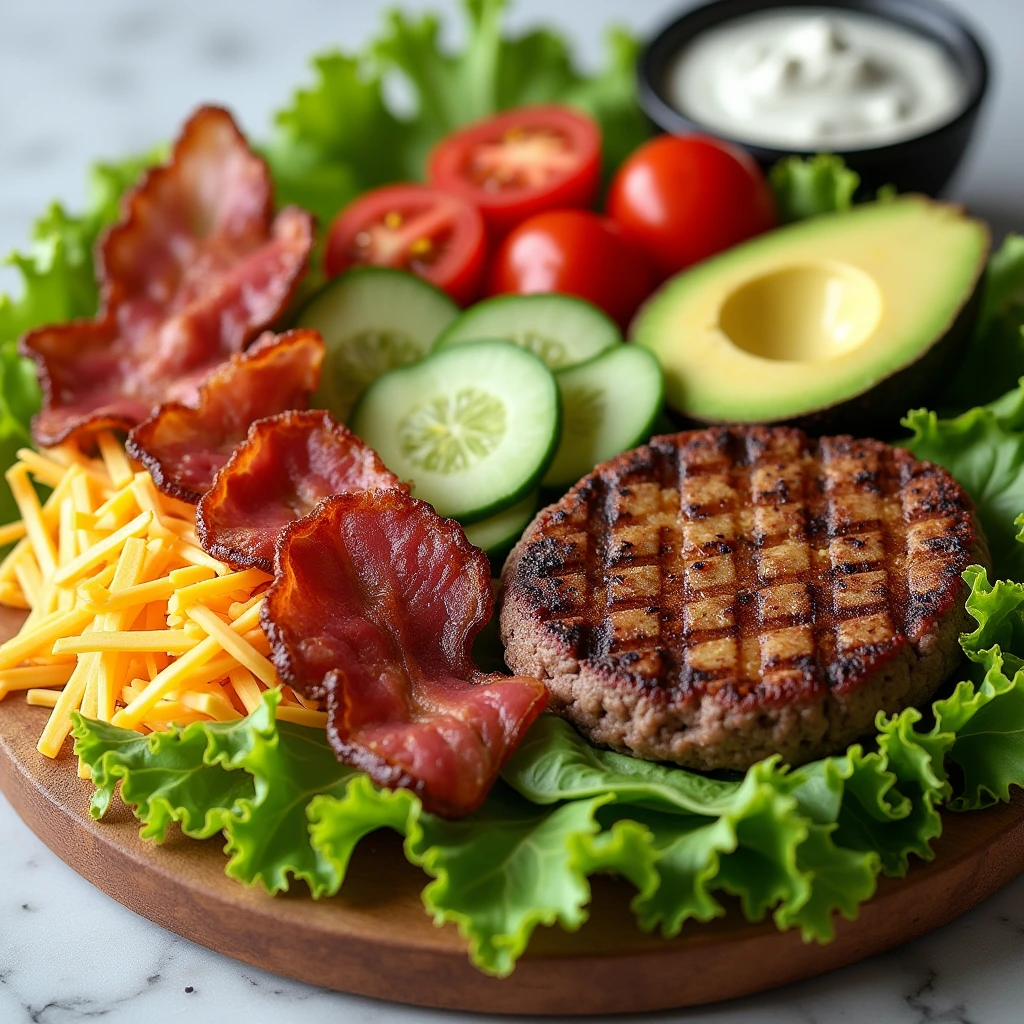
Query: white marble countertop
85, 80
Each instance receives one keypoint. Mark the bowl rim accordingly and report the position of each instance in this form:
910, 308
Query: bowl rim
673, 35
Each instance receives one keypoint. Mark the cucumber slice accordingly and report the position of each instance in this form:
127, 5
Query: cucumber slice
472, 427
609, 405
496, 534
372, 319
561, 330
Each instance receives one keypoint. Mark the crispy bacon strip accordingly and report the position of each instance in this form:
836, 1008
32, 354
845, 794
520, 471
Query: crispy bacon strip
375, 604
196, 269
184, 447
286, 465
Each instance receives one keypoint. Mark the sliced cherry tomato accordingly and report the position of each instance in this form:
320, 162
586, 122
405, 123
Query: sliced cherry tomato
432, 233
520, 163
684, 198
574, 252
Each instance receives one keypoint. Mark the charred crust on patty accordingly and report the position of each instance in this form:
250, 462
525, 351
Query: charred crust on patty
720, 595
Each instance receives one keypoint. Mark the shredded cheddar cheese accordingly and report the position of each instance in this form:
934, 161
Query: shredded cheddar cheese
129, 620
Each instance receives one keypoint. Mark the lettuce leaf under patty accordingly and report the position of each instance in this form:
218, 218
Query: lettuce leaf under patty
801, 845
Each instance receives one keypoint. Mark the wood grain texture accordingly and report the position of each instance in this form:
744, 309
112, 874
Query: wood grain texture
375, 939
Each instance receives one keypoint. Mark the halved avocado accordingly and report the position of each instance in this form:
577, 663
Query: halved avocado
840, 322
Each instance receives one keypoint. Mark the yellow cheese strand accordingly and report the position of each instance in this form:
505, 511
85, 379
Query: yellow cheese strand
100, 552
119, 590
31, 514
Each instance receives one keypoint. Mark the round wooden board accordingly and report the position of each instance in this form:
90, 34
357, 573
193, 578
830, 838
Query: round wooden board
375, 939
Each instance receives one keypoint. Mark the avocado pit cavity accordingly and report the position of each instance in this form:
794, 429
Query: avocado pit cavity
803, 313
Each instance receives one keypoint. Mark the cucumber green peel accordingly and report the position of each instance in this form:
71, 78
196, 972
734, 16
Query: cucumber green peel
372, 319
609, 405
496, 534
560, 330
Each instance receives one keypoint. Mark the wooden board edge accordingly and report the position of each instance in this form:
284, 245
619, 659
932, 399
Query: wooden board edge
703, 965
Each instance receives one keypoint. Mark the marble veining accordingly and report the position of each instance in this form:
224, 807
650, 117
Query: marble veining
70, 954
80, 81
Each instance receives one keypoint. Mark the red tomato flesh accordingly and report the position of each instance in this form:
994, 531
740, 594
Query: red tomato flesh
574, 252
431, 233
520, 163
684, 198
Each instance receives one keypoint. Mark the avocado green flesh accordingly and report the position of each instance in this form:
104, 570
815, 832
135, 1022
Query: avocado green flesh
812, 315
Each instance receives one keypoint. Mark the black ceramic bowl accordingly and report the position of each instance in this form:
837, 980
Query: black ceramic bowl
924, 163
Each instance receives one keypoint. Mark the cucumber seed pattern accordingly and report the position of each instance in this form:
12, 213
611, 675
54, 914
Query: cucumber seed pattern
449, 433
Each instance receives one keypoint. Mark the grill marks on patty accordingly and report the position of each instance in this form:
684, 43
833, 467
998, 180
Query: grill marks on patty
749, 565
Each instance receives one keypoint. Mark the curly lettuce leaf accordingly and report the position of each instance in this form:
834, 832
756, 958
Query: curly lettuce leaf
57, 283
998, 610
804, 845
165, 777
917, 762
1004, 282
982, 724
338, 822
742, 836
57, 272
267, 835
840, 876
738, 834
986, 727
860, 795
841, 879
609, 97
451, 89
808, 187
498, 873
505, 870
762, 869
322, 156
251, 779
687, 854
984, 450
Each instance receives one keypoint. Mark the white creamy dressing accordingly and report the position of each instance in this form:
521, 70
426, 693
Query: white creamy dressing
816, 78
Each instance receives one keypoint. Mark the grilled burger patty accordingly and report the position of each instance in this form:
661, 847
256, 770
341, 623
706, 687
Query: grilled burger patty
725, 594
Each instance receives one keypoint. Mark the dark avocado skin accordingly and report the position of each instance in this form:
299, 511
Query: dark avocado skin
877, 412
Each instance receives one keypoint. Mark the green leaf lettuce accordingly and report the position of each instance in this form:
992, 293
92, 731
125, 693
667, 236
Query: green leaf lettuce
809, 187
801, 845
984, 450
345, 133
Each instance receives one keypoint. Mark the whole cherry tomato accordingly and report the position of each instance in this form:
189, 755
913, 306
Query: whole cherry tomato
684, 198
431, 233
521, 162
574, 252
